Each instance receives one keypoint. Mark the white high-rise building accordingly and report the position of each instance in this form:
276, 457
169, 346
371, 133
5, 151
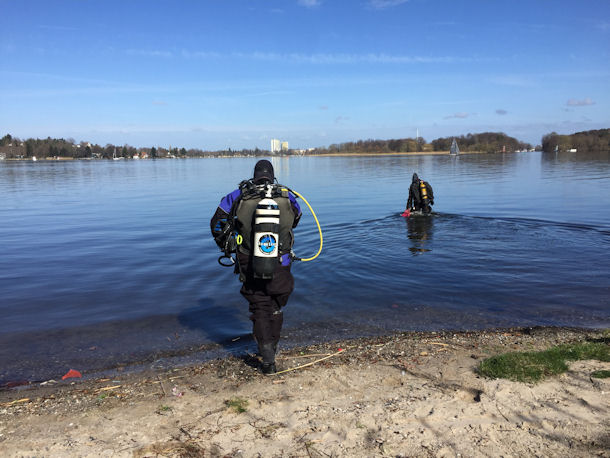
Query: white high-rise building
284, 146
276, 145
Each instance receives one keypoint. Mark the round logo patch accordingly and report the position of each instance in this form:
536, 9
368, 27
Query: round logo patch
267, 243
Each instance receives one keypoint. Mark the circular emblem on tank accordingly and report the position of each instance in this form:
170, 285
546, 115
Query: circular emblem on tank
267, 243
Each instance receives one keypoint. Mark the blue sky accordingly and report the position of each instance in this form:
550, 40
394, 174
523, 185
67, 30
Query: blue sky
217, 74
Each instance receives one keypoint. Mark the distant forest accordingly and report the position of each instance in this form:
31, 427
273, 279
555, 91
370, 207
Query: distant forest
14, 148
486, 142
580, 142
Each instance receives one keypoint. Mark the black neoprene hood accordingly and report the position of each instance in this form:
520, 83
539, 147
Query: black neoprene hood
263, 170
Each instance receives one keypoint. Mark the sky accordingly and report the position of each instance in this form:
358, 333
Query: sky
217, 74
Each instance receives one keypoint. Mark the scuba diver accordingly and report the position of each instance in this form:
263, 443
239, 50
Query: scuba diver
255, 222
421, 196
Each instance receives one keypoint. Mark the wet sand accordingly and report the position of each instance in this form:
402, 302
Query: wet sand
411, 394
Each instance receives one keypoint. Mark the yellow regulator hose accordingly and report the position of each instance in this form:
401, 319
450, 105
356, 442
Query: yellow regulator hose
317, 222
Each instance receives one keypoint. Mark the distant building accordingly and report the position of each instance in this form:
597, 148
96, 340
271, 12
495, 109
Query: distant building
275, 145
284, 146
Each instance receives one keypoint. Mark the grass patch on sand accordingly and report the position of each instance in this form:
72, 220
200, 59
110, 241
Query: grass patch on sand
534, 366
237, 404
600, 374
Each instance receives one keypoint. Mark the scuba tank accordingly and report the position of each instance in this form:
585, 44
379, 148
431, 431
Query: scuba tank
265, 249
423, 191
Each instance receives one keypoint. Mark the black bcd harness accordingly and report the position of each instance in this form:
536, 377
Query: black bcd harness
227, 239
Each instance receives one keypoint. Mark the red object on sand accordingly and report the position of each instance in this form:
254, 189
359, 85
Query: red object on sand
71, 374
406, 213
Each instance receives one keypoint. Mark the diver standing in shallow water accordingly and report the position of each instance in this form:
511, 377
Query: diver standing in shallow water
257, 220
421, 196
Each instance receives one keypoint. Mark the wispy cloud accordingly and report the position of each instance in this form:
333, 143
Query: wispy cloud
149, 53
51, 76
580, 103
269, 93
314, 59
341, 119
383, 4
605, 26
200, 54
309, 3
514, 80
57, 28
371, 58
501, 112
457, 116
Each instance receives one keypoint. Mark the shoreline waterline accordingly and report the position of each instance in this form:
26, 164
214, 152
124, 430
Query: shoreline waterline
183, 359
410, 392
281, 156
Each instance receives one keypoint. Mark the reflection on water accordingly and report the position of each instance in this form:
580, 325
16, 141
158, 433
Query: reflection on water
419, 231
116, 255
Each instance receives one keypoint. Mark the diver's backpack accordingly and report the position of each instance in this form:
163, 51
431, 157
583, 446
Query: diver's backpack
263, 220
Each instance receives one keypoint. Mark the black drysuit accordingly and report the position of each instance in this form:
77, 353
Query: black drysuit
266, 297
417, 200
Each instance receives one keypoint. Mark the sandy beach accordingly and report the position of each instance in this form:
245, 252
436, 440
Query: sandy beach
412, 394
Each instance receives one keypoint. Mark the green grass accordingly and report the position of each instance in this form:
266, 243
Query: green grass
534, 366
237, 404
600, 374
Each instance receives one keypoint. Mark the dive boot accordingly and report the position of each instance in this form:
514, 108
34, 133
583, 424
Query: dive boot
268, 368
267, 351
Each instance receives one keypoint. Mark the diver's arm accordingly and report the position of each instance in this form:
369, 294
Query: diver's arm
219, 220
410, 199
296, 208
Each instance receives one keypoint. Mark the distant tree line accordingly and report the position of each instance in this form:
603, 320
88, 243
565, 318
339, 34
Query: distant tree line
486, 142
403, 145
14, 148
582, 142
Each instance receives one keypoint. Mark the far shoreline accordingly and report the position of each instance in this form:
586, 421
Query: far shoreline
282, 156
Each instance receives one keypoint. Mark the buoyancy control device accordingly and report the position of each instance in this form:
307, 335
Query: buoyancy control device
266, 229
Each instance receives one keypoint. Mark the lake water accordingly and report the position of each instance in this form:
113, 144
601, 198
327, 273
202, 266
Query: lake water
110, 263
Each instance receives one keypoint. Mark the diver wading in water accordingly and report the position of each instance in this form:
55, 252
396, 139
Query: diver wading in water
421, 197
255, 223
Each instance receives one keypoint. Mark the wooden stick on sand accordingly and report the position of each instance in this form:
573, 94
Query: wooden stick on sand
341, 350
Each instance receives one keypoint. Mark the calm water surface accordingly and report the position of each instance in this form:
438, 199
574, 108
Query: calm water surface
111, 263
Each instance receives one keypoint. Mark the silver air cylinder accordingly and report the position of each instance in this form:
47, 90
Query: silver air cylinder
266, 238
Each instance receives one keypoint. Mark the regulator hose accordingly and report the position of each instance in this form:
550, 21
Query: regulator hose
317, 222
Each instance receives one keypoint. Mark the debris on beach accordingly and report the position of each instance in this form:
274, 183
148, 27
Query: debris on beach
72, 374
177, 392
